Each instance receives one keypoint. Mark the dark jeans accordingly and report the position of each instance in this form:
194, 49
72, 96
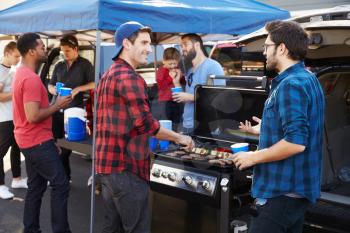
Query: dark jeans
7, 140
65, 161
43, 164
58, 132
126, 202
280, 215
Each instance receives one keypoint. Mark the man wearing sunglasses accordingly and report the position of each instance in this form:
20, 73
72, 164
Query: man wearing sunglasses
199, 67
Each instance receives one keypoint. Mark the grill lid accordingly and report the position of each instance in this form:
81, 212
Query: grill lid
218, 111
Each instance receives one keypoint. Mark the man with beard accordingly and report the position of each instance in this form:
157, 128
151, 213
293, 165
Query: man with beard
32, 121
199, 67
287, 165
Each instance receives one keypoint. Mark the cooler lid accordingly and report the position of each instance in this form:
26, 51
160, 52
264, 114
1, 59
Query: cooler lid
218, 111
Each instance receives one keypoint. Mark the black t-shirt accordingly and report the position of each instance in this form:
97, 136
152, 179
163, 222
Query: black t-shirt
80, 73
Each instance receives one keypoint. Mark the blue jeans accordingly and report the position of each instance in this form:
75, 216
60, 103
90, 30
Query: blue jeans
126, 203
43, 164
280, 215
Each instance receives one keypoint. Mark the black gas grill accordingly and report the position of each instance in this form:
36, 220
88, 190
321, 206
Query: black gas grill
199, 191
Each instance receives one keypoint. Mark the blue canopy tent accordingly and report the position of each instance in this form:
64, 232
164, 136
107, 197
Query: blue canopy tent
166, 18
97, 19
210, 16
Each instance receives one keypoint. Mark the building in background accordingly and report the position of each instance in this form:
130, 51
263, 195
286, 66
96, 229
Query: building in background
301, 5
8, 3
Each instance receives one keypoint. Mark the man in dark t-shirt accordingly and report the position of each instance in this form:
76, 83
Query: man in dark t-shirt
77, 73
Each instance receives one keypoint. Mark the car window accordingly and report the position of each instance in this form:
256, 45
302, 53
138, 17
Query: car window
229, 58
237, 62
253, 64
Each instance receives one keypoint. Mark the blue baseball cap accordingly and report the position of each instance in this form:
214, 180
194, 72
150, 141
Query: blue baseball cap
124, 31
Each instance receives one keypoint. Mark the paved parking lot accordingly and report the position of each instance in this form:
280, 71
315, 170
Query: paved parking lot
78, 208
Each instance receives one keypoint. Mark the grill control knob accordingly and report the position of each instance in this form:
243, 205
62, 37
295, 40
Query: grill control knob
206, 185
156, 172
187, 179
165, 174
172, 176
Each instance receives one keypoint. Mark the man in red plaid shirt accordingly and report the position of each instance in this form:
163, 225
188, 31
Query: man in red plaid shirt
124, 124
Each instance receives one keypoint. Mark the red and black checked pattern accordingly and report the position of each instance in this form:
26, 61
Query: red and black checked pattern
124, 122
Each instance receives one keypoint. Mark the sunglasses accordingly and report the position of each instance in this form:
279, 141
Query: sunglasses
72, 42
190, 79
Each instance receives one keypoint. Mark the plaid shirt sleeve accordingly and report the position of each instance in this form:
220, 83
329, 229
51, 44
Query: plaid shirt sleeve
293, 108
132, 90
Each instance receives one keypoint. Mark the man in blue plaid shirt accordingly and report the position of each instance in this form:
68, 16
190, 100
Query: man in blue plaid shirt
287, 166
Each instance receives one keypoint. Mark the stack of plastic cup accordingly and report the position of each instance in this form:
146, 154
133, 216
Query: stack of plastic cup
153, 143
164, 144
64, 91
176, 89
237, 147
59, 85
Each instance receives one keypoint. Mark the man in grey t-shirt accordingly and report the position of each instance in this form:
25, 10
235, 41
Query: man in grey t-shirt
199, 67
7, 140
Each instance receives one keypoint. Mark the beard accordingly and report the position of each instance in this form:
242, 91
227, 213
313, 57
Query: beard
188, 58
272, 63
42, 59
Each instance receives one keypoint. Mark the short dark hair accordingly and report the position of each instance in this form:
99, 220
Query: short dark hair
26, 42
70, 41
195, 38
133, 36
292, 35
171, 54
12, 45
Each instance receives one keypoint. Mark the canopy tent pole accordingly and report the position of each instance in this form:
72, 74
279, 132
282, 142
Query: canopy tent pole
155, 52
97, 78
155, 59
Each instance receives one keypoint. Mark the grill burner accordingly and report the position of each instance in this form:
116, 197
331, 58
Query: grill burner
207, 155
201, 154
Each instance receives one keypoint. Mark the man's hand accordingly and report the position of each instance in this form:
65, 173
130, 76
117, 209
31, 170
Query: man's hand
248, 128
4, 96
243, 160
186, 141
182, 97
63, 101
58, 148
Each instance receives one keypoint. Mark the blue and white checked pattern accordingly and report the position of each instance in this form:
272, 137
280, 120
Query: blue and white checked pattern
294, 112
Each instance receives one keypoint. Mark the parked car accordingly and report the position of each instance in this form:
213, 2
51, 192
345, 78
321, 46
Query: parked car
329, 58
236, 61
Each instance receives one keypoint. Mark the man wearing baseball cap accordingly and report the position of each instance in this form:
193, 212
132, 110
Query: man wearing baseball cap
124, 124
